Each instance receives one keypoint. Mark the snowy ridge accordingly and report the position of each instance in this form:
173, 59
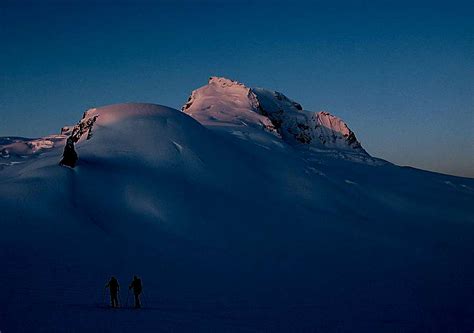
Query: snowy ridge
17, 149
24, 147
224, 101
21, 148
225, 104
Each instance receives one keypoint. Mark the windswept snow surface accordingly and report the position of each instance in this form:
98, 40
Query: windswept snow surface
230, 232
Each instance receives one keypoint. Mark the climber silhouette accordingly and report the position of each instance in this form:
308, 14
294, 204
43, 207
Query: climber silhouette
137, 287
114, 288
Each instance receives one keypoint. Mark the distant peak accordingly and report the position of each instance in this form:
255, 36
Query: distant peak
228, 102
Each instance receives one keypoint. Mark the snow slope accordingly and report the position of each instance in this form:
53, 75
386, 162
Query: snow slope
233, 226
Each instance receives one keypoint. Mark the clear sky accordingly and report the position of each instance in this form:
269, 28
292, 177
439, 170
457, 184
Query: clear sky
401, 74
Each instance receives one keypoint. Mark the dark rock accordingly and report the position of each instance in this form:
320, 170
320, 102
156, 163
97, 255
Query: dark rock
69, 155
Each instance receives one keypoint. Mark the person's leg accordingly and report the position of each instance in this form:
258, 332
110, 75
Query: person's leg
111, 299
137, 301
114, 301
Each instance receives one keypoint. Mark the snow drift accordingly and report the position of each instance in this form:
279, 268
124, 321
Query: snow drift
242, 213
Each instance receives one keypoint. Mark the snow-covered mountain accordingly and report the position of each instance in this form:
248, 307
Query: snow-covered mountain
223, 101
15, 147
236, 217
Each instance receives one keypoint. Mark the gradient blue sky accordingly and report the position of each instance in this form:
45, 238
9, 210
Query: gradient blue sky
401, 74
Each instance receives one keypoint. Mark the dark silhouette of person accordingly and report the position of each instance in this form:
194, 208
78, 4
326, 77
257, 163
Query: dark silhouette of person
114, 288
137, 287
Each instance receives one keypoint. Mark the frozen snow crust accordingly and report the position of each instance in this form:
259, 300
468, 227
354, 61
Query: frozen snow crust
231, 224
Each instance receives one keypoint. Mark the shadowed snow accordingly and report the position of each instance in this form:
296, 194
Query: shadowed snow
230, 235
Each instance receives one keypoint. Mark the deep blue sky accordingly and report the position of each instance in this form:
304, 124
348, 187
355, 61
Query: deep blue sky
401, 74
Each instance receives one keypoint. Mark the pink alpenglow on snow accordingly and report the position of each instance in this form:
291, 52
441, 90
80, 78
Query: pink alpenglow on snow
224, 102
